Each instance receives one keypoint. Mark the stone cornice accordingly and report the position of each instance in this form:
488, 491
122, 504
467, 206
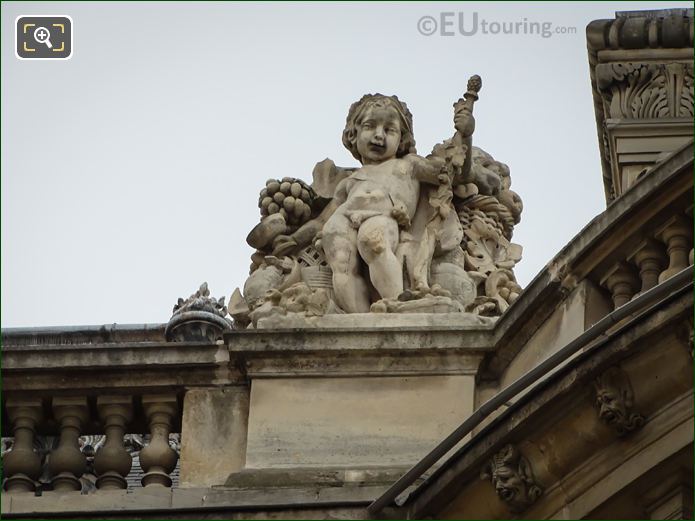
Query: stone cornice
668, 28
566, 395
635, 37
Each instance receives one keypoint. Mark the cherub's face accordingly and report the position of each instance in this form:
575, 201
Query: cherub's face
378, 135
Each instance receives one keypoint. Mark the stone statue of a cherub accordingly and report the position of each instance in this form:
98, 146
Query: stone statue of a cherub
392, 235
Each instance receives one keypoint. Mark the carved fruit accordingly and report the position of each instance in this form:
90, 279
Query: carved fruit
272, 186
278, 197
285, 187
288, 204
296, 190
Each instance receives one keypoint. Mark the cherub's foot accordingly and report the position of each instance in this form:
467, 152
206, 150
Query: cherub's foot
407, 295
379, 307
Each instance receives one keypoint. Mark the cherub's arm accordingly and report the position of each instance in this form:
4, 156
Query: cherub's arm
428, 170
464, 122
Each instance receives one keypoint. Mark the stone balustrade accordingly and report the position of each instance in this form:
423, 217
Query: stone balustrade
658, 257
71, 417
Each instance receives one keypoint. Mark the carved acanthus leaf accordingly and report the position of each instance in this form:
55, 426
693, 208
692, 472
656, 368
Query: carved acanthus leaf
646, 90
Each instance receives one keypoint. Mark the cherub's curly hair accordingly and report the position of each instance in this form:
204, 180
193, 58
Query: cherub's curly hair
357, 111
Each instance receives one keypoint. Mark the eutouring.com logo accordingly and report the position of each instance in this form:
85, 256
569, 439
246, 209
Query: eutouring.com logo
450, 23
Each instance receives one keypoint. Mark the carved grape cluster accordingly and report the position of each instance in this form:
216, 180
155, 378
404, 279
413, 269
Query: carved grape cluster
290, 197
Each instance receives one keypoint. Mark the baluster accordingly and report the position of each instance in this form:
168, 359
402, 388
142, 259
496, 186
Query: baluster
66, 462
22, 465
113, 462
622, 282
676, 236
158, 459
651, 259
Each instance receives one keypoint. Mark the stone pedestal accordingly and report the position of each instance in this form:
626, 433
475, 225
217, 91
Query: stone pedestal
214, 433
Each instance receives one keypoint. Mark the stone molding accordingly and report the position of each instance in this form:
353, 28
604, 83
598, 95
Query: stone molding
567, 395
641, 66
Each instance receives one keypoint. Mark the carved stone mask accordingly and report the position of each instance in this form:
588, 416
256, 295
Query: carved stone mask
612, 408
614, 401
512, 478
508, 485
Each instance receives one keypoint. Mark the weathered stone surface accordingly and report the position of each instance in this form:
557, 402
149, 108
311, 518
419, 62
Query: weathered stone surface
380, 320
328, 422
214, 426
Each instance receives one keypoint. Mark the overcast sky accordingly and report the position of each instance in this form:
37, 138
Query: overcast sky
131, 172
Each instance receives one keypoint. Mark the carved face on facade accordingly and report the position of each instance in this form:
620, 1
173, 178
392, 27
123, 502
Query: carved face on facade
510, 474
614, 401
378, 135
613, 396
361, 129
509, 486
611, 406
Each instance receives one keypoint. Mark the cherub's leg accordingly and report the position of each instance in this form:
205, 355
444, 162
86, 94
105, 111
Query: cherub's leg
421, 261
339, 241
377, 240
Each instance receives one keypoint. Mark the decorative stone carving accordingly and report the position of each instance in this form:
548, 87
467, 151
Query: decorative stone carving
646, 90
112, 462
67, 463
622, 281
644, 29
511, 475
198, 318
22, 464
285, 206
651, 260
158, 459
615, 399
403, 233
644, 101
677, 237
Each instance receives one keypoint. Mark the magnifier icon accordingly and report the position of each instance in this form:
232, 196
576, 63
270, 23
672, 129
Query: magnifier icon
43, 35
